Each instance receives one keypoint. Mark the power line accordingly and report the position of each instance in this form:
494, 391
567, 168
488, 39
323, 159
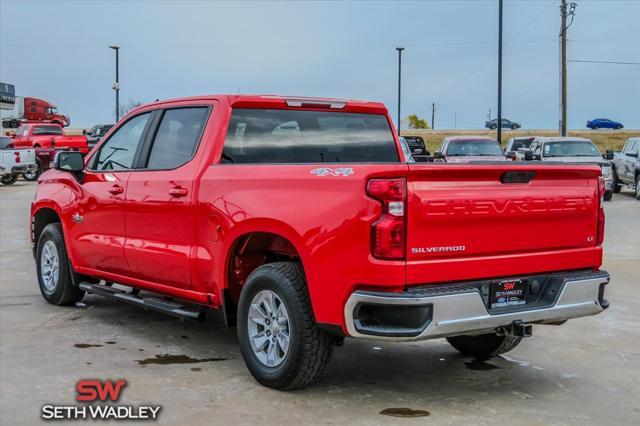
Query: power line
605, 62
493, 55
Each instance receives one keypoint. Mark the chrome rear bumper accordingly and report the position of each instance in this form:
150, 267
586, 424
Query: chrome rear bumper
465, 312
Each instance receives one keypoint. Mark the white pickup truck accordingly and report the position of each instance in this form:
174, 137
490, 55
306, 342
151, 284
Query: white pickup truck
14, 162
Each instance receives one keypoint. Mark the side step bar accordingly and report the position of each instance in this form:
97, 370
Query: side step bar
154, 303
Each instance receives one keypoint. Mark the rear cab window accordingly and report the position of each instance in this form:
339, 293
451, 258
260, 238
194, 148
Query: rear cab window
302, 136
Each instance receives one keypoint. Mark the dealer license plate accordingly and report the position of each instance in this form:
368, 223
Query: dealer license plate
508, 293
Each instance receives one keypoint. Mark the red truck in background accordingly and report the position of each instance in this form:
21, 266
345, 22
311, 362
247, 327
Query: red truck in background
29, 109
48, 136
297, 218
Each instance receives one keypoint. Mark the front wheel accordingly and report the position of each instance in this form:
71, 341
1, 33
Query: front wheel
493, 127
484, 345
638, 187
54, 271
608, 195
595, 127
9, 179
514, 127
279, 339
616, 182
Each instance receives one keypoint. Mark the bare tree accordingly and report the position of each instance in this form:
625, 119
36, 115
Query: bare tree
131, 104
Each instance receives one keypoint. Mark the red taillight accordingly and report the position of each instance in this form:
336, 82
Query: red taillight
600, 232
388, 231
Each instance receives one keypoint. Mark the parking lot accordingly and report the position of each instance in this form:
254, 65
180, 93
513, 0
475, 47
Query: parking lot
584, 372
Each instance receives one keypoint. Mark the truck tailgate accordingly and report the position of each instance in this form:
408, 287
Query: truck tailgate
466, 221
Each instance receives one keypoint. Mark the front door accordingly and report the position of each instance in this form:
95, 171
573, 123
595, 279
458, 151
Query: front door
98, 230
160, 213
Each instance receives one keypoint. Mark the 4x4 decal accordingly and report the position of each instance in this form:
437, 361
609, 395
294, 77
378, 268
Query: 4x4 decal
327, 171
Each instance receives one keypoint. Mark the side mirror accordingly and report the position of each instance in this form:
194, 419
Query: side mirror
528, 155
69, 161
608, 155
511, 155
84, 131
438, 155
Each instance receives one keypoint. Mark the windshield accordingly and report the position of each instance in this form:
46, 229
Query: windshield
481, 148
47, 130
290, 136
521, 143
570, 149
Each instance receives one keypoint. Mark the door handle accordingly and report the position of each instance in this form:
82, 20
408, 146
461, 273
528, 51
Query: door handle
178, 191
116, 189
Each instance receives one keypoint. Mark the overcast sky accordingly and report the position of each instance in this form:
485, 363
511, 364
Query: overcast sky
58, 51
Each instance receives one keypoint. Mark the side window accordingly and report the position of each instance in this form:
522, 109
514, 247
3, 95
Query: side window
118, 152
177, 137
632, 146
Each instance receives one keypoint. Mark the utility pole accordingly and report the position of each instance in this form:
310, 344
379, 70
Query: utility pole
116, 85
566, 10
399, 49
499, 136
433, 115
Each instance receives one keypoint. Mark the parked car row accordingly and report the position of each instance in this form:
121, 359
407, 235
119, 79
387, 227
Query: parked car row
595, 124
618, 169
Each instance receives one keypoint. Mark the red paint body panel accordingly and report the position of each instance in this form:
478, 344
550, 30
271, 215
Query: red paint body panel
180, 246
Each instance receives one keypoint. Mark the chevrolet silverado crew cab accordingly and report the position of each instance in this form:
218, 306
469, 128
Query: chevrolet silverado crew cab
299, 220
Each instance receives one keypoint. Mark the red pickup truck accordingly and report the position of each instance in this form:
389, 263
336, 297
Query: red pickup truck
298, 220
48, 136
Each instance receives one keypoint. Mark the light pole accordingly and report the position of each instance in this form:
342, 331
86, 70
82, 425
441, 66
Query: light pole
399, 49
116, 85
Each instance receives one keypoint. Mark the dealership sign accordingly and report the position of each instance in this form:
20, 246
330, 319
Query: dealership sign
100, 392
7, 96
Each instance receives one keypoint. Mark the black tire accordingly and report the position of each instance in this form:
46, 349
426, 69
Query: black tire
484, 345
638, 187
616, 183
595, 127
63, 292
9, 179
30, 177
493, 126
608, 195
309, 348
514, 127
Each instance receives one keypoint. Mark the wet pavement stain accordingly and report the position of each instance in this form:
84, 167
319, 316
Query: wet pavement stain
8, 305
141, 350
176, 359
480, 364
110, 343
86, 345
404, 412
196, 369
184, 337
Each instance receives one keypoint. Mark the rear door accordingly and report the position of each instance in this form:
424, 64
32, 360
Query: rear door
160, 211
467, 221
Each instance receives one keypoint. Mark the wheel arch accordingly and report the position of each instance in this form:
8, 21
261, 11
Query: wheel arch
43, 216
252, 248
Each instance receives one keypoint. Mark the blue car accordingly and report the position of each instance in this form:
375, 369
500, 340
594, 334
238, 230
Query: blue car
604, 123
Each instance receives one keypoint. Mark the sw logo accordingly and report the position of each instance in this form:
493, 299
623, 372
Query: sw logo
509, 286
97, 398
90, 390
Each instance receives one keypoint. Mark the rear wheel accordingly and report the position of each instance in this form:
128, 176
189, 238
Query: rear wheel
514, 127
638, 187
279, 340
32, 175
484, 345
608, 195
54, 272
9, 179
596, 127
493, 126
